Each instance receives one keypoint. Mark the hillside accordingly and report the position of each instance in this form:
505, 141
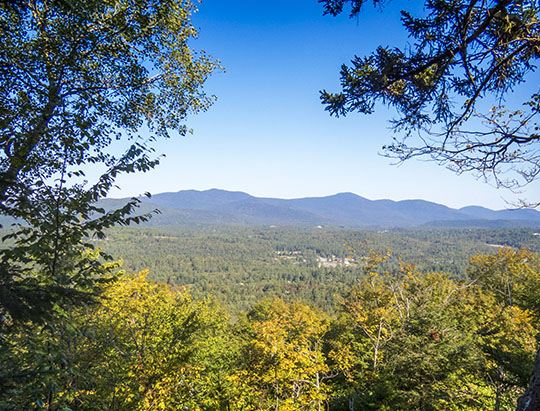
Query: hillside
343, 210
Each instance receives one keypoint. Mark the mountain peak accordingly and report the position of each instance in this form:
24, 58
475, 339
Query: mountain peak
346, 194
344, 209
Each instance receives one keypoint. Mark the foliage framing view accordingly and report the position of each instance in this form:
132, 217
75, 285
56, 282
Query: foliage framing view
400, 339
450, 85
78, 79
464, 52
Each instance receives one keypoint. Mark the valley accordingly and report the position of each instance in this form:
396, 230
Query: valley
240, 265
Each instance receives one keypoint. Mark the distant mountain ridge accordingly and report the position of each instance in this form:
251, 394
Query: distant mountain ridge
347, 210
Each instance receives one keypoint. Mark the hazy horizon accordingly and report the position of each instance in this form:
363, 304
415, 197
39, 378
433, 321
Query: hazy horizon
301, 197
269, 135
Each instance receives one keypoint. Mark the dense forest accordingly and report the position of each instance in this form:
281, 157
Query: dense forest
94, 317
241, 265
289, 319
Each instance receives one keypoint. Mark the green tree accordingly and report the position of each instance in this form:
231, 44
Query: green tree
407, 339
285, 366
84, 85
433, 361
80, 82
146, 346
157, 348
377, 307
466, 56
40, 362
512, 276
510, 280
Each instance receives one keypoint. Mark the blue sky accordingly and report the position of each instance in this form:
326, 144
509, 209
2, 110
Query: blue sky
268, 134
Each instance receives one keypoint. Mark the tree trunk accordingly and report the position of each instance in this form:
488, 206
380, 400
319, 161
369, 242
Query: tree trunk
530, 401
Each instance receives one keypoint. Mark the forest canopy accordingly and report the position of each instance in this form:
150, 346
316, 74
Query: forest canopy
401, 339
78, 79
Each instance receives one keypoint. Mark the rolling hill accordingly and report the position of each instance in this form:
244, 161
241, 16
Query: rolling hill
216, 207
347, 210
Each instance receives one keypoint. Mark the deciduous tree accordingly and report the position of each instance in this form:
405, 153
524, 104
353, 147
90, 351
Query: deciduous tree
286, 366
84, 85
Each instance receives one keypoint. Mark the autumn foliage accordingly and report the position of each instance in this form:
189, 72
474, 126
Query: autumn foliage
403, 339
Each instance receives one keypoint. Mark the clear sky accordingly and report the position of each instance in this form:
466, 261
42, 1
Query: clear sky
268, 134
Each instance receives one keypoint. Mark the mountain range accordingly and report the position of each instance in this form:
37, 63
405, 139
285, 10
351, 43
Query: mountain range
345, 210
